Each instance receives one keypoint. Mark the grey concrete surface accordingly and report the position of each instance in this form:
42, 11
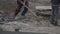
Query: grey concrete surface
30, 23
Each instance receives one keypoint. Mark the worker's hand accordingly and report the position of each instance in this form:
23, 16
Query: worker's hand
22, 1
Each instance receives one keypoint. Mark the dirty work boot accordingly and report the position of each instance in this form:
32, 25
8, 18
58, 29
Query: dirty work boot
54, 23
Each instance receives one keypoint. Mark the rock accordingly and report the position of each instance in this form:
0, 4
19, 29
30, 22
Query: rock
47, 13
43, 10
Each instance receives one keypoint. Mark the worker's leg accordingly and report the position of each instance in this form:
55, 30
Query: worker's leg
55, 12
18, 7
25, 9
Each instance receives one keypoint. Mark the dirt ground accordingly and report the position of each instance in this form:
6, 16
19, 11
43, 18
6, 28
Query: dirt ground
28, 23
